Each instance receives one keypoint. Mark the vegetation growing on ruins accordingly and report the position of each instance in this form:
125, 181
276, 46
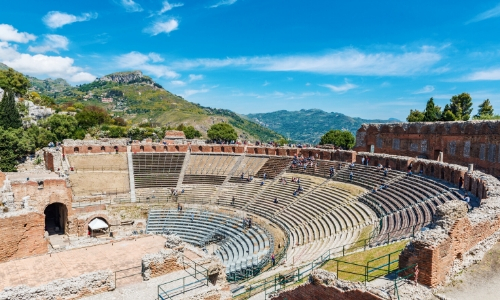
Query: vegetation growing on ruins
339, 138
459, 109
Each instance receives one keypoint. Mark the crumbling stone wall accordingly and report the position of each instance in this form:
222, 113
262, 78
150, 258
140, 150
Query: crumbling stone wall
461, 143
51, 191
49, 160
22, 235
71, 288
454, 235
325, 285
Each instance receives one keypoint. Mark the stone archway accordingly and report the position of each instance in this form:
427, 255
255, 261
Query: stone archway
56, 218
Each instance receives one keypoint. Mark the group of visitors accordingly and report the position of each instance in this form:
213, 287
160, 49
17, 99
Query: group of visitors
304, 162
332, 171
298, 191
175, 192
365, 160
179, 207
247, 223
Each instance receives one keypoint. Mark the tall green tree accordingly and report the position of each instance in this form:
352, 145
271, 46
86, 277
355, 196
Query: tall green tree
62, 126
15, 81
222, 132
191, 132
14, 144
415, 116
9, 114
339, 138
461, 106
92, 116
432, 112
485, 111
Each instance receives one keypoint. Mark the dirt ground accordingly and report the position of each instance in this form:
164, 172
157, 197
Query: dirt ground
86, 183
99, 161
480, 281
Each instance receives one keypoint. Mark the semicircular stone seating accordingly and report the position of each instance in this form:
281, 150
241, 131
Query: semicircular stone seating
324, 215
240, 247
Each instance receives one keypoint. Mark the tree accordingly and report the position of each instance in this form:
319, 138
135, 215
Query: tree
62, 126
15, 81
9, 115
91, 116
13, 145
461, 106
339, 138
432, 112
222, 132
415, 116
191, 132
485, 111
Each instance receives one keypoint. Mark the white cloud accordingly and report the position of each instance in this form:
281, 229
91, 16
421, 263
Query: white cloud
385, 84
308, 83
340, 88
178, 83
155, 57
131, 6
266, 83
10, 34
426, 89
194, 77
188, 93
492, 74
162, 27
51, 43
56, 19
223, 2
43, 65
136, 60
492, 13
343, 62
169, 6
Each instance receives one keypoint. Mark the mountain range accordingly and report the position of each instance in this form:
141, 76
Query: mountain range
139, 99
309, 125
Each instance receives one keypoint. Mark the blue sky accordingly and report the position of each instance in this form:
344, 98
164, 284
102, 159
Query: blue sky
369, 59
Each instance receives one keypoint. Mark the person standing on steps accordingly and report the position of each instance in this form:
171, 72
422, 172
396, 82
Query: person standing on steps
460, 183
350, 176
273, 259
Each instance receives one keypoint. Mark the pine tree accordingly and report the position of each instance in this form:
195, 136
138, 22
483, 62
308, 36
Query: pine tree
9, 115
485, 110
432, 112
461, 106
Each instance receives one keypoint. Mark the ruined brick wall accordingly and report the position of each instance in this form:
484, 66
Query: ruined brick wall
454, 234
2, 178
313, 291
462, 143
53, 191
49, 160
22, 235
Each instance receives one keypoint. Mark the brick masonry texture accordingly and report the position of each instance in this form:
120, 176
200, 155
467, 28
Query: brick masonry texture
22, 235
462, 143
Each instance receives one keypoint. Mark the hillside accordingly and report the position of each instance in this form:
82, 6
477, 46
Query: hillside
138, 99
309, 125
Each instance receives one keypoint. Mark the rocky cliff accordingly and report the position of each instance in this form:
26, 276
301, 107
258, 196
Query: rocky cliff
124, 77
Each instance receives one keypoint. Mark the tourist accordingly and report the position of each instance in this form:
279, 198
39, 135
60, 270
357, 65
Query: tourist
363, 160
192, 218
350, 176
421, 172
262, 183
460, 183
385, 172
265, 176
232, 201
242, 176
273, 259
249, 223
276, 200
410, 166
374, 189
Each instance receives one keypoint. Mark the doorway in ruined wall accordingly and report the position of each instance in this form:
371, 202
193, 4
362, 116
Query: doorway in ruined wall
436, 154
56, 217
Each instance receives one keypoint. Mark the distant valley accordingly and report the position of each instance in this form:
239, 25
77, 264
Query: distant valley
309, 125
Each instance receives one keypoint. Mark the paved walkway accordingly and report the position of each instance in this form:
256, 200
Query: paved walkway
39, 270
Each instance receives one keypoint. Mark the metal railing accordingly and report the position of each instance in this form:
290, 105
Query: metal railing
198, 269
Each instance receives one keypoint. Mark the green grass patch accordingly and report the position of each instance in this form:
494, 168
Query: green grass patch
356, 262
